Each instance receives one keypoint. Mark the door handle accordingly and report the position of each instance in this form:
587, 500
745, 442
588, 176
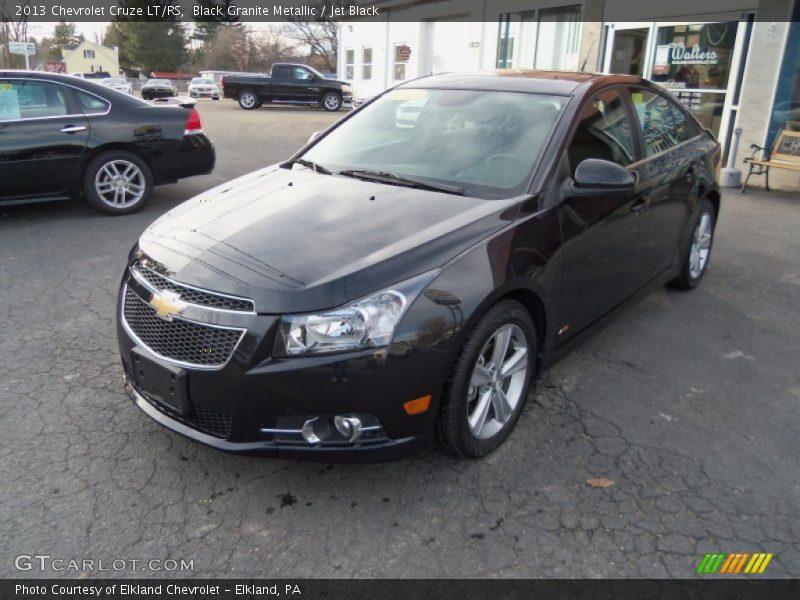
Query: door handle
73, 128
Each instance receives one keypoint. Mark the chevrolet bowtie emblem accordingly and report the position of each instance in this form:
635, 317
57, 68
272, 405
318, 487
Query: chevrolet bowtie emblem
167, 304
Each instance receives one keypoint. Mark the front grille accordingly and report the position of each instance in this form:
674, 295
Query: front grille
193, 295
203, 419
180, 340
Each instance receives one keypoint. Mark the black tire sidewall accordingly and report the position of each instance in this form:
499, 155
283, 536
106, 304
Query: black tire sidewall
453, 427
338, 98
97, 163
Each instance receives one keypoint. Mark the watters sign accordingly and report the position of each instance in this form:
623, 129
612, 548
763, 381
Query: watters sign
679, 54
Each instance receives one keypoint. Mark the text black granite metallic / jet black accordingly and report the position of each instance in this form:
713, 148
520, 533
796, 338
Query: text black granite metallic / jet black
404, 277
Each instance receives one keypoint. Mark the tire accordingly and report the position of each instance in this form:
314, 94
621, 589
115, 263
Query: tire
461, 400
248, 99
100, 185
697, 254
331, 102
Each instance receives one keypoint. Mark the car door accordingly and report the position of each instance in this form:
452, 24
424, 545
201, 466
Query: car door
281, 83
604, 232
43, 134
669, 170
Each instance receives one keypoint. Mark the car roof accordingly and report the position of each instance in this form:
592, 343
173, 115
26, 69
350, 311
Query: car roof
563, 83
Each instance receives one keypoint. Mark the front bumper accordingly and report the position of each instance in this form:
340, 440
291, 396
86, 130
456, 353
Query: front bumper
239, 406
204, 93
157, 93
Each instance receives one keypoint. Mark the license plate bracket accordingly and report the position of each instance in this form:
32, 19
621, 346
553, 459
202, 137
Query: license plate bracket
161, 382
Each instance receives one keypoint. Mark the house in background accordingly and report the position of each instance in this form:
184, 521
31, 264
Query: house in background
89, 57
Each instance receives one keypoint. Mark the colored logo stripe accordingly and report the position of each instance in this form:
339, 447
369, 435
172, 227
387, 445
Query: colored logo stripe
734, 563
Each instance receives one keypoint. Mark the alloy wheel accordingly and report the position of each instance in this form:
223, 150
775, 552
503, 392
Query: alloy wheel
120, 183
331, 102
701, 246
247, 100
497, 382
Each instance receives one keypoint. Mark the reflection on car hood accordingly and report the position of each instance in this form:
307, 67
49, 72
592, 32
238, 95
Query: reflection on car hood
295, 240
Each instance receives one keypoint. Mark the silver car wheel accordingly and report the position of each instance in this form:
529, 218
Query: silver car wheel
120, 183
495, 388
332, 101
701, 246
247, 100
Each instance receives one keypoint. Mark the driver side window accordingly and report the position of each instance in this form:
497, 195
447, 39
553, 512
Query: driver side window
604, 132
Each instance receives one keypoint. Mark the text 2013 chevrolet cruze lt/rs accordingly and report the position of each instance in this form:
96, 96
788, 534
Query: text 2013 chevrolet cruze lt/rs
394, 284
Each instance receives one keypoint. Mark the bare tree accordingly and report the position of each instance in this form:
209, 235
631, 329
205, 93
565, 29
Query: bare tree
12, 29
319, 36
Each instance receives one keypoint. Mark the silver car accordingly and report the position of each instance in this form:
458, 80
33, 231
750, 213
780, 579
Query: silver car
200, 86
117, 83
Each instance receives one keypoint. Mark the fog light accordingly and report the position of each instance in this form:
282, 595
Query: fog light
347, 427
308, 432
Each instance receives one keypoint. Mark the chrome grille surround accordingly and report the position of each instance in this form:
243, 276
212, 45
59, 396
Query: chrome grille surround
192, 295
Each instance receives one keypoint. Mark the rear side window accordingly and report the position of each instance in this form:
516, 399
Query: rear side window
662, 123
282, 73
20, 99
91, 105
604, 132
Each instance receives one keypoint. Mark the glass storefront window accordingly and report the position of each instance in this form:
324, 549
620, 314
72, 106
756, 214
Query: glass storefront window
696, 56
706, 106
545, 38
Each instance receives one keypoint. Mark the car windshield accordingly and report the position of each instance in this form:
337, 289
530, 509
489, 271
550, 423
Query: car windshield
115, 81
200, 81
158, 82
485, 143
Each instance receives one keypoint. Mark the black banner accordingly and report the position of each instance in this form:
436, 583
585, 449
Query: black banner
387, 589
338, 10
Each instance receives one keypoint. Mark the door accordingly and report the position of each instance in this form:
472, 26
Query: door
604, 234
42, 138
627, 50
668, 173
295, 85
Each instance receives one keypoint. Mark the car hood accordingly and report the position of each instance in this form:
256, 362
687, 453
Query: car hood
296, 241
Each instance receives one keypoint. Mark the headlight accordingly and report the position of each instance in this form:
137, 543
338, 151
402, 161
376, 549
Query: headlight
346, 89
366, 323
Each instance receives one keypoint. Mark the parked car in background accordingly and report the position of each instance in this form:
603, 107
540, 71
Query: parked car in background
63, 136
288, 84
158, 88
200, 87
117, 83
78, 75
395, 283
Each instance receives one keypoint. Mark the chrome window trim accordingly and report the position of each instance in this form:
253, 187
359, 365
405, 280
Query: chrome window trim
70, 116
178, 363
141, 279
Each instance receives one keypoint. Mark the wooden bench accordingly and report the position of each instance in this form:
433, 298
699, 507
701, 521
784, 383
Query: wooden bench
785, 154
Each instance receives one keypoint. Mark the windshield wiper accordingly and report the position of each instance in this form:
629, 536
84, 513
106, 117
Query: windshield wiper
386, 176
306, 163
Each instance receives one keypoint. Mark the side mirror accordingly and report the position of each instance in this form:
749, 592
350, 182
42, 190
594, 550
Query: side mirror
313, 136
597, 174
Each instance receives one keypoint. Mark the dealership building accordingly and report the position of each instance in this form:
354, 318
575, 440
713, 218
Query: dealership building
736, 64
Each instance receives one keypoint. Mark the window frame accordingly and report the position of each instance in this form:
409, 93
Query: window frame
695, 128
349, 67
88, 53
365, 64
73, 104
636, 139
395, 62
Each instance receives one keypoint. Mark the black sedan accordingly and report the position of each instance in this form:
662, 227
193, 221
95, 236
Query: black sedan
158, 88
61, 137
402, 281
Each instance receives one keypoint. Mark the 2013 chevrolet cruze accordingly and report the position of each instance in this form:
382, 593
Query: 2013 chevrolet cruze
399, 282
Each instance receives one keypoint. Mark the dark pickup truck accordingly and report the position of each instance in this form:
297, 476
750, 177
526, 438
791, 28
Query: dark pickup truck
287, 84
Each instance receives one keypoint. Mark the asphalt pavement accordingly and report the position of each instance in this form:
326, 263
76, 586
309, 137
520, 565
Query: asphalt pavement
687, 406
